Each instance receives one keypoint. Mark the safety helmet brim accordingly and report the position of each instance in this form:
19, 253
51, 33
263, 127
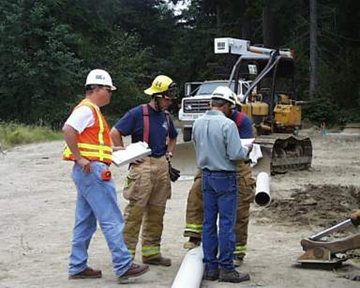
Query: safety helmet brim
160, 85
99, 77
224, 93
149, 91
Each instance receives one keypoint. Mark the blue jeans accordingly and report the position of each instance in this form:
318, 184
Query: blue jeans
97, 201
219, 198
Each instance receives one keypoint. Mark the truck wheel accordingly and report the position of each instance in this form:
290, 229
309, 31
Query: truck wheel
187, 135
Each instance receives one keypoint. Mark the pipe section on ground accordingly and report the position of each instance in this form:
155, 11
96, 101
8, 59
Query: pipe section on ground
191, 270
262, 192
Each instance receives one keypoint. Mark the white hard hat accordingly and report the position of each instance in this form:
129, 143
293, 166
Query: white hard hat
225, 93
99, 77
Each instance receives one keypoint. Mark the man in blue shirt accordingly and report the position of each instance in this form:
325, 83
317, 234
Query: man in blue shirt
147, 186
218, 147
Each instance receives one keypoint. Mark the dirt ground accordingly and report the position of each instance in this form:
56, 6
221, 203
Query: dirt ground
37, 201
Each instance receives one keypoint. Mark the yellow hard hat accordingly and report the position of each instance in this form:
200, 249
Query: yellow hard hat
160, 84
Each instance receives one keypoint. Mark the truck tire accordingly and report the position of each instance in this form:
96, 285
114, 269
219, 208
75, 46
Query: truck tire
187, 135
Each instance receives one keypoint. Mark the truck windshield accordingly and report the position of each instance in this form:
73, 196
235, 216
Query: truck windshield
208, 88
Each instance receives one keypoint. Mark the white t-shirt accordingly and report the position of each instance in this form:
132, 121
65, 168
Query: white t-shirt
81, 118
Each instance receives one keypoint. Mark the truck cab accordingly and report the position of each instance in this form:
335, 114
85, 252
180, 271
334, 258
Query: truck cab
197, 101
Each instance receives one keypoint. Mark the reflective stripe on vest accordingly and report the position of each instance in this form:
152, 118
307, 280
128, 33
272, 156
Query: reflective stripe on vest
100, 151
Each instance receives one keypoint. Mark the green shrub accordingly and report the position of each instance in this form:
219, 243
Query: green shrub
321, 109
12, 134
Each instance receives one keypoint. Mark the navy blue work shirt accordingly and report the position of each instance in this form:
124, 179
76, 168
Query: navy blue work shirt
132, 123
245, 129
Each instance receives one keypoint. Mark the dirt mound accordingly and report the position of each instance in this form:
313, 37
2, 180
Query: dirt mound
322, 206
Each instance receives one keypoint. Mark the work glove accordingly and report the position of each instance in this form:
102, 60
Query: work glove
174, 173
355, 218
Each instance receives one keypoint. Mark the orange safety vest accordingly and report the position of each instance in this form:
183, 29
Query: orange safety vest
94, 142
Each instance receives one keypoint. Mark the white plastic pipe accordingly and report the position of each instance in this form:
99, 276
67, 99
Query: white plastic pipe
262, 192
191, 270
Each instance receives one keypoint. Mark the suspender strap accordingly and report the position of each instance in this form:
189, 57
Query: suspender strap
146, 118
167, 116
239, 118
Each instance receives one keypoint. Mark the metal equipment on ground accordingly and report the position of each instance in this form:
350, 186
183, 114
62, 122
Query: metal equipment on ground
320, 253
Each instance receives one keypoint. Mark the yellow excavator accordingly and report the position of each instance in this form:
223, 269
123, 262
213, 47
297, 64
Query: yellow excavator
269, 100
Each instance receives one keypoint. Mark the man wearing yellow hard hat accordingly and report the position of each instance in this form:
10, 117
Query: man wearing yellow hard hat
147, 186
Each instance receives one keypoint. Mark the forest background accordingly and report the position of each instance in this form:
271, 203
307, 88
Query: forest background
47, 47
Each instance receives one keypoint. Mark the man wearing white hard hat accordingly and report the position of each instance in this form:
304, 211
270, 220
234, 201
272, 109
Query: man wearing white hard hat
218, 147
89, 146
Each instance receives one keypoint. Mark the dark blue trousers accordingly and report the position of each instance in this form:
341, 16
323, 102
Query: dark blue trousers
219, 198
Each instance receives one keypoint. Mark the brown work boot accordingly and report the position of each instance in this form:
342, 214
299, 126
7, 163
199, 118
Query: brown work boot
135, 270
88, 273
238, 259
233, 276
158, 260
192, 243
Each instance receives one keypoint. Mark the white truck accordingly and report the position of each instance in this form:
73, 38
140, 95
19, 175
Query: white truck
197, 101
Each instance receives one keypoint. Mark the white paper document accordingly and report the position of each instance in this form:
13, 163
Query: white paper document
255, 153
247, 141
132, 152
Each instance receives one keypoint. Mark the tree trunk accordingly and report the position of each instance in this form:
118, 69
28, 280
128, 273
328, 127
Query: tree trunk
313, 49
246, 27
218, 19
268, 25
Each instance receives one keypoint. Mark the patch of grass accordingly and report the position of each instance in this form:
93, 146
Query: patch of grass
12, 134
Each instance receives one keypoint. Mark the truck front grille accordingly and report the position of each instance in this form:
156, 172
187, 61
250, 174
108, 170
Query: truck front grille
196, 105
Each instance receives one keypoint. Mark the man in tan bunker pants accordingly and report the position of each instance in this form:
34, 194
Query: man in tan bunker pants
147, 186
246, 184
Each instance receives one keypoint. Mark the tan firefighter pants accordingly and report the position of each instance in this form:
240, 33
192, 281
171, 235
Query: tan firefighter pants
147, 187
194, 209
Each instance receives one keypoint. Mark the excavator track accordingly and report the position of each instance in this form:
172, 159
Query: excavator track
283, 153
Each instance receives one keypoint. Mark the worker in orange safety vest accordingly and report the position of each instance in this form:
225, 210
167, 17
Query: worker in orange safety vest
89, 146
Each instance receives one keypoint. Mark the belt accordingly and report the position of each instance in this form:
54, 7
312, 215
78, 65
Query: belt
218, 171
107, 164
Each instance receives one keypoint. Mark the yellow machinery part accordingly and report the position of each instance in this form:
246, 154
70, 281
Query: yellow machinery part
287, 115
255, 109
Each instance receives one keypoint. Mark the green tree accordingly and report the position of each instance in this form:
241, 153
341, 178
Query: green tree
38, 70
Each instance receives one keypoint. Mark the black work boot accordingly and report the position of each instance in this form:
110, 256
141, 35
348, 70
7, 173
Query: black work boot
192, 243
211, 275
158, 260
233, 276
238, 259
